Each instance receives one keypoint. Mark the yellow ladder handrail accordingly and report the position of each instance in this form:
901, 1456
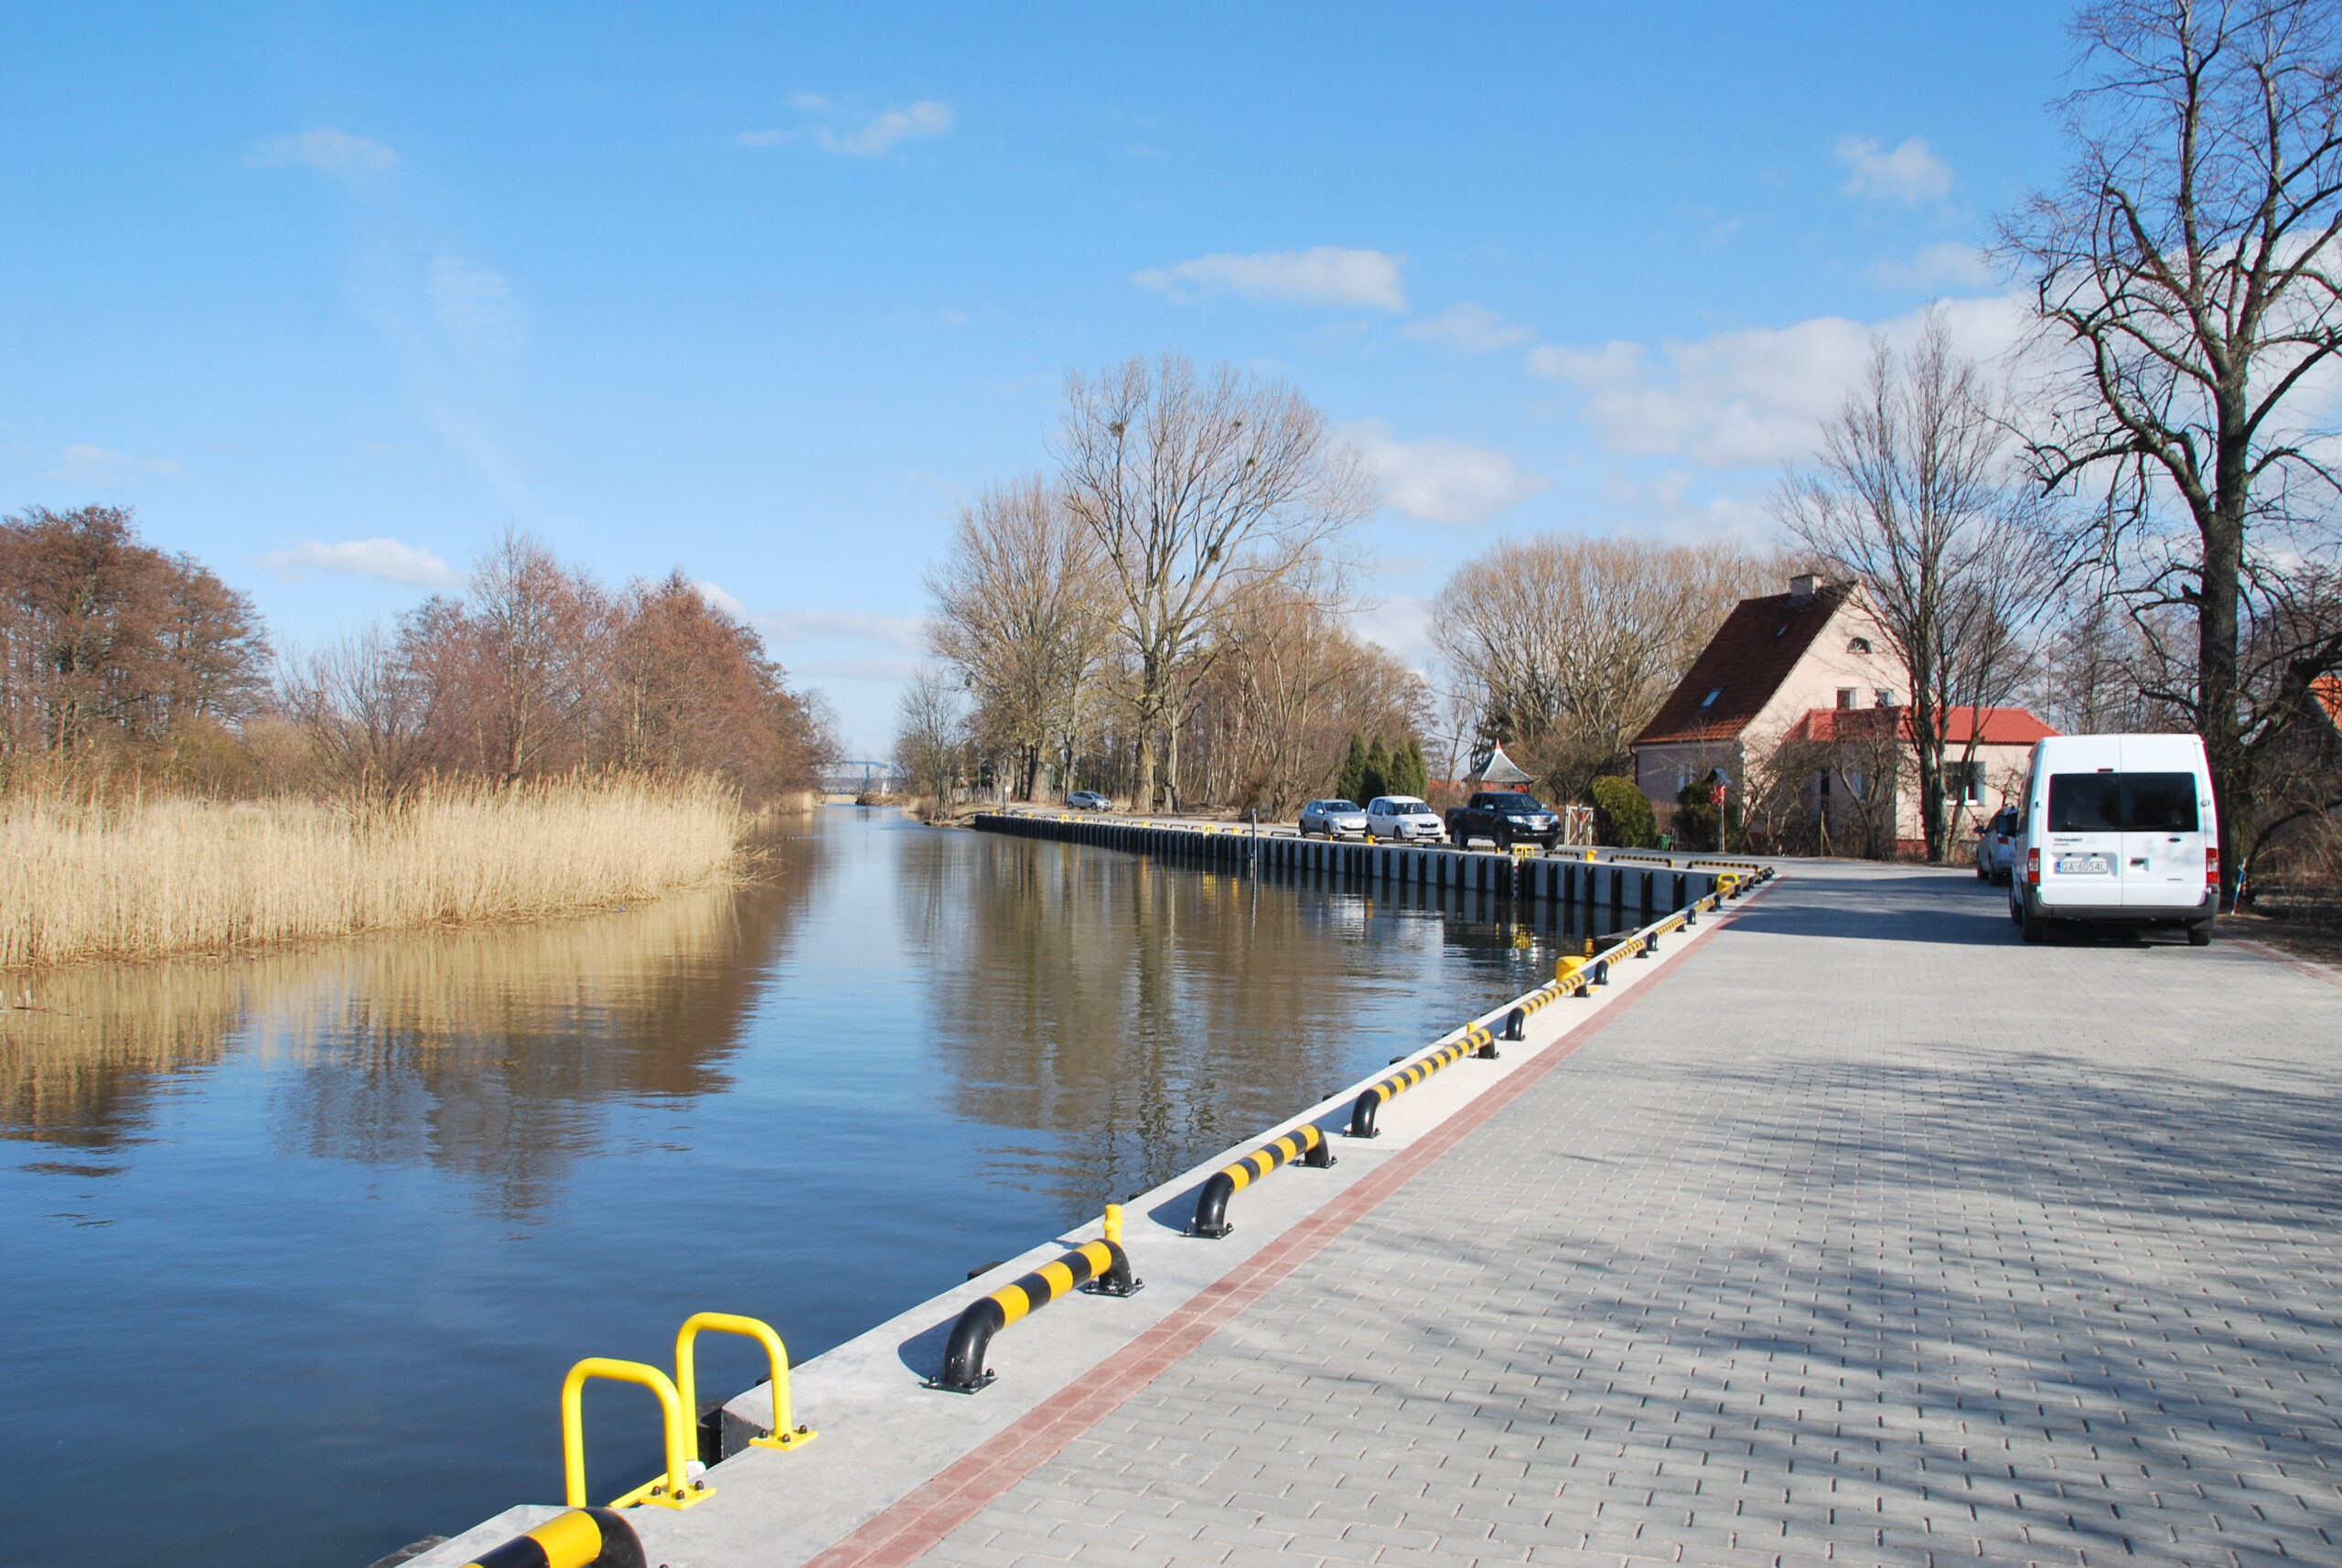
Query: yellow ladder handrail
679, 1490
785, 1432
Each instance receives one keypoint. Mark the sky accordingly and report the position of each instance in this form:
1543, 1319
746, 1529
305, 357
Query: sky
332, 295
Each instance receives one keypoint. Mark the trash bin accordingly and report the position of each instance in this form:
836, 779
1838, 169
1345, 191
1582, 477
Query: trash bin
1666, 841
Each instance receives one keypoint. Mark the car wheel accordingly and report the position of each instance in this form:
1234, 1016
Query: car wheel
1982, 874
2036, 927
2199, 933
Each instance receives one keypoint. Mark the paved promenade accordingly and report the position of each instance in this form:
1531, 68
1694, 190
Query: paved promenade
1865, 1234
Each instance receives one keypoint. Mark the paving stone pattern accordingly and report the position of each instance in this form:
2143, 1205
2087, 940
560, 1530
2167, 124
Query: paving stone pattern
1869, 1235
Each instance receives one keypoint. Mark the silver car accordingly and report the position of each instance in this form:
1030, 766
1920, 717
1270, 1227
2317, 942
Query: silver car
1333, 819
1404, 819
1996, 846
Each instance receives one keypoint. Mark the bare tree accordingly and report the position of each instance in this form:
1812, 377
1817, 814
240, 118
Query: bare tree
1024, 611
1290, 686
367, 716
931, 739
1197, 489
2187, 275
1911, 498
543, 627
1568, 645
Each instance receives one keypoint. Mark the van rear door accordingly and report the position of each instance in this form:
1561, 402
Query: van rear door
2166, 822
2084, 862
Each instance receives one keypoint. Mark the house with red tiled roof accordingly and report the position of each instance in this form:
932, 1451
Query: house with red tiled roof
1802, 690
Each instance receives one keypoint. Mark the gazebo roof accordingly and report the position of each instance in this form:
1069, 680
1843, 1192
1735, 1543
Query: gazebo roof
1496, 767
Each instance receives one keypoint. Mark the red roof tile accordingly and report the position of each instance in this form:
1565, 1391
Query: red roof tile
2327, 690
2001, 727
1743, 665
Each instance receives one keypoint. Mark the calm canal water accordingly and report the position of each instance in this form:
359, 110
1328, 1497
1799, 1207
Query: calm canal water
297, 1247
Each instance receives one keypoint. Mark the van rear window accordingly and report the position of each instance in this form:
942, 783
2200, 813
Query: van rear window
2122, 802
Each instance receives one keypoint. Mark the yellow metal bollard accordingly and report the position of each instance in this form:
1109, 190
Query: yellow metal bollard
1114, 1223
678, 1490
785, 1432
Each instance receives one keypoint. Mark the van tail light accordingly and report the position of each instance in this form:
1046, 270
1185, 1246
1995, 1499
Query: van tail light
2033, 868
2211, 868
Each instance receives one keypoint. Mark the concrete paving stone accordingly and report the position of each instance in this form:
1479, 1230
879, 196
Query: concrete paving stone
1266, 1550
2022, 1270
1101, 1554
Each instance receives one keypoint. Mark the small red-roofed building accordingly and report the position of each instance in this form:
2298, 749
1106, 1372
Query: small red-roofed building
1798, 697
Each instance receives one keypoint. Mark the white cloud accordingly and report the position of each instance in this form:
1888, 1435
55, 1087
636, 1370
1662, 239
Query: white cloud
1909, 172
388, 558
1399, 623
764, 138
808, 102
881, 134
1754, 396
1323, 274
718, 599
1611, 363
805, 626
1468, 329
337, 153
97, 466
1951, 264
1442, 480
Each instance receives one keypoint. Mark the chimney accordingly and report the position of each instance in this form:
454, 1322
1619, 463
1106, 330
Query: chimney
1801, 589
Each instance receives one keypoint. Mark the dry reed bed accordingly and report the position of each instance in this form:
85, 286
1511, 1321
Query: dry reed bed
149, 877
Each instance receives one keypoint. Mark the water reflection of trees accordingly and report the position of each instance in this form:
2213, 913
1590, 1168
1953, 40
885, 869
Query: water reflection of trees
1141, 1017
484, 1051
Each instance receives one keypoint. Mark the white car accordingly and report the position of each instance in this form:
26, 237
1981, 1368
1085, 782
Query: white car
2118, 830
1333, 819
1404, 819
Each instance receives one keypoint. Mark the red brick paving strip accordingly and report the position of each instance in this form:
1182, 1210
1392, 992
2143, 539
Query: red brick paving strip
909, 1529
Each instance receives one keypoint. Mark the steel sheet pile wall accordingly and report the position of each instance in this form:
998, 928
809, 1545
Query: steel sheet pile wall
1615, 895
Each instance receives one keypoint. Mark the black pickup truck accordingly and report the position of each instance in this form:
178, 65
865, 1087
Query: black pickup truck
1504, 818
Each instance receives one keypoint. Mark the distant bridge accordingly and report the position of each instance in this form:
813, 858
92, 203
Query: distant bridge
854, 778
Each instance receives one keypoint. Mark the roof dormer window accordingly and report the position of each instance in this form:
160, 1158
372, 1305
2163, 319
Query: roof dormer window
1710, 700
1858, 645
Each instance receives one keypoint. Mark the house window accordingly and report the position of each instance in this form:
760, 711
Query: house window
1887, 696
1710, 700
1964, 782
1845, 696
1825, 778
1858, 645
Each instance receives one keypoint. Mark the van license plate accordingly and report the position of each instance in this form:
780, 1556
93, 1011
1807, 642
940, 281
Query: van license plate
2082, 866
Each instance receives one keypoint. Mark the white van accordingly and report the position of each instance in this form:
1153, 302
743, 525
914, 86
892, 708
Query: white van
2118, 830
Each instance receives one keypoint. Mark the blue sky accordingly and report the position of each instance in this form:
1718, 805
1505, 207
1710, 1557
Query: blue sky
765, 292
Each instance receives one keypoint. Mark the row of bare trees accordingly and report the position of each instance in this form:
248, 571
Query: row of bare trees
537, 669
116, 657
1561, 648
1162, 612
